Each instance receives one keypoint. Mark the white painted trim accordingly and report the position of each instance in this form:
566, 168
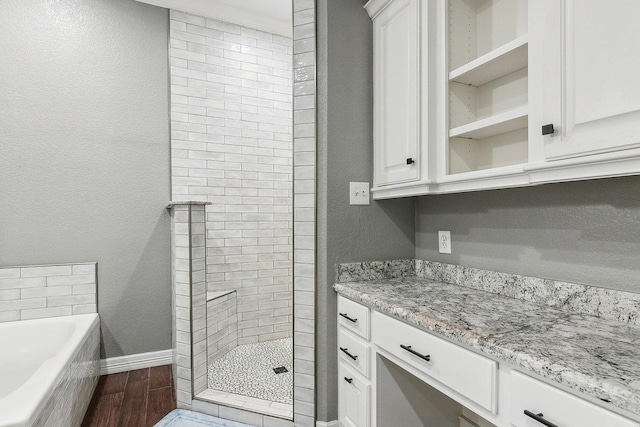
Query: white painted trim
333, 423
113, 365
374, 7
226, 13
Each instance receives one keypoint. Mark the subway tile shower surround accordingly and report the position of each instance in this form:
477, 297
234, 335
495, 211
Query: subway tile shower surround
222, 324
36, 292
188, 301
198, 152
231, 139
189, 317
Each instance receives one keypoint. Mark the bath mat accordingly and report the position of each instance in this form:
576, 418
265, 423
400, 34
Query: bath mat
184, 418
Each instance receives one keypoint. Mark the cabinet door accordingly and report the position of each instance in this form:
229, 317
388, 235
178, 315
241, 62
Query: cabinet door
591, 67
353, 398
396, 93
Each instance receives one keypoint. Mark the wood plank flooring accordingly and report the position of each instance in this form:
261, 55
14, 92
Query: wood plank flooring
132, 399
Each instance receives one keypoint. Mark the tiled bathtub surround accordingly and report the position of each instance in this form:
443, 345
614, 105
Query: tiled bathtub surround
76, 384
36, 292
222, 324
231, 121
604, 303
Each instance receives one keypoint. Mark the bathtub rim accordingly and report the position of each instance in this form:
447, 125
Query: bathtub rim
23, 406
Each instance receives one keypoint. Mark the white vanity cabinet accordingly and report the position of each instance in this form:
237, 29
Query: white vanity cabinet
400, 156
533, 403
488, 94
470, 388
464, 372
354, 384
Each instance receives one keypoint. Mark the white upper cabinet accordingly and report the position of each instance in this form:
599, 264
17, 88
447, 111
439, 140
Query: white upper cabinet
486, 90
398, 154
466, 91
591, 52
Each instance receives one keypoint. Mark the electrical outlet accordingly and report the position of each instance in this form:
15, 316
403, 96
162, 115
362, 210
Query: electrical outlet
358, 193
444, 242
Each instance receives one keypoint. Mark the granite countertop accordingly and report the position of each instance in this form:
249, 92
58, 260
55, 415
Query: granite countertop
597, 357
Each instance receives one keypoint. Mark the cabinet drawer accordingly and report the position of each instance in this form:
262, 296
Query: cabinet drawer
463, 371
354, 317
353, 398
353, 351
558, 407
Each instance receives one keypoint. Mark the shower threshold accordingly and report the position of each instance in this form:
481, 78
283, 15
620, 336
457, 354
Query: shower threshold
251, 404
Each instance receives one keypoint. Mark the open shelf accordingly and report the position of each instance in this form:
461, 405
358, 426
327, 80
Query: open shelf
504, 60
494, 125
488, 84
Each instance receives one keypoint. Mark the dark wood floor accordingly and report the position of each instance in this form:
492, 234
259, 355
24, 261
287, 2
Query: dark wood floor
132, 399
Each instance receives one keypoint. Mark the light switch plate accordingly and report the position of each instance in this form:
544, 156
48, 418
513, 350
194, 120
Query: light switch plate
358, 193
444, 242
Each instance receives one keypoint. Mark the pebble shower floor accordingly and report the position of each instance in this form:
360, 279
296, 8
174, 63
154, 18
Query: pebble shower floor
248, 370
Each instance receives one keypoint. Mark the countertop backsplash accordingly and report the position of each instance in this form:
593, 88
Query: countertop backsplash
577, 298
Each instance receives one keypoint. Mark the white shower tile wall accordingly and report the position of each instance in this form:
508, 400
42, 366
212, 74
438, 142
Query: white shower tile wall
189, 301
304, 149
36, 292
181, 295
222, 325
231, 138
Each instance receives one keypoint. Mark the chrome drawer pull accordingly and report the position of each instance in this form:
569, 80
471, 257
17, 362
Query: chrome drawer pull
349, 380
415, 353
344, 350
348, 318
539, 418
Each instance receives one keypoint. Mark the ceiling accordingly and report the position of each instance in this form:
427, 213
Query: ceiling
278, 9
272, 16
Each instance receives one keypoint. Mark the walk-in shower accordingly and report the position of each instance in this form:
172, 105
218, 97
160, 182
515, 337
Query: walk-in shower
232, 146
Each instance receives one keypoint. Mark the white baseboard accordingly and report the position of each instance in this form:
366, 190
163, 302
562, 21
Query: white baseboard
333, 423
113, 365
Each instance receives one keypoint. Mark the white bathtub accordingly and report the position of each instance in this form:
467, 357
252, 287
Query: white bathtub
48, 370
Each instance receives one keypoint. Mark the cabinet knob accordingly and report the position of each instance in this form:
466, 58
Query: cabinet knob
410, 161
548, 129
349, 380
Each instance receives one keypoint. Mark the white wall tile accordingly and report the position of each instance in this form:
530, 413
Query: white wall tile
53, 270
257, 82
47, 291
248, 77
40, 313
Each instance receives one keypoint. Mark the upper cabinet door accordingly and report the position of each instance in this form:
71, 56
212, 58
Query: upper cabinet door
397, 93
591, 68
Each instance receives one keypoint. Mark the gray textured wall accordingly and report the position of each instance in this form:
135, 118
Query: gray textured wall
84, 154
347, 233
586, 232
